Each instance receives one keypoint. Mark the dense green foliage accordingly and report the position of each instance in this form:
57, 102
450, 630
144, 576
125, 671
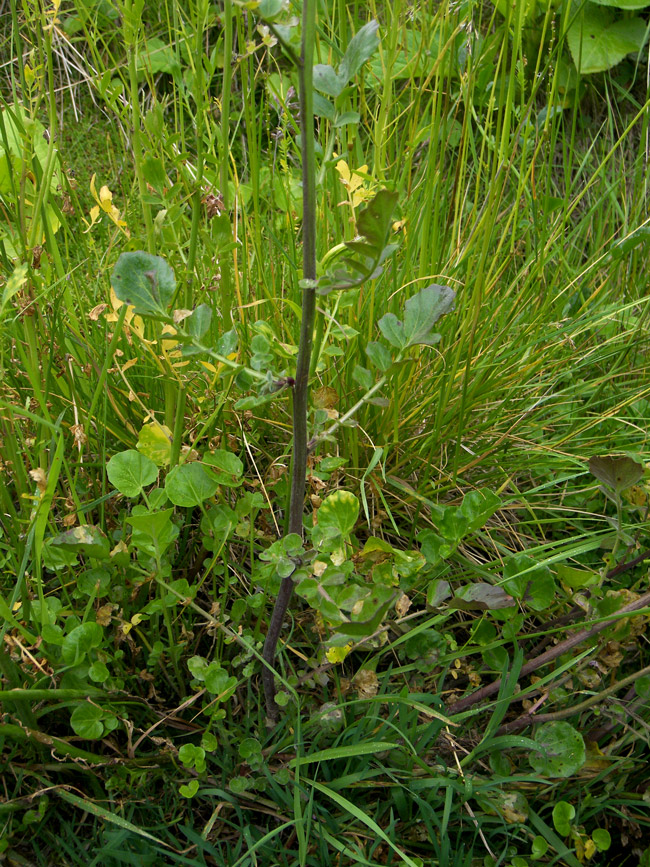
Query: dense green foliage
464, 675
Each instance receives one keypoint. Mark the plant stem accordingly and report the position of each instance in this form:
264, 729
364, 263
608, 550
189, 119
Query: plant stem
546, 657
301, 388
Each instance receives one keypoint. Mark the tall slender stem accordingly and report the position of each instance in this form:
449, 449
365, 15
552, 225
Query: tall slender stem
301, 388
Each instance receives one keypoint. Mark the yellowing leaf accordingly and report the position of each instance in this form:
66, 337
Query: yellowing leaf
356, 182
337, 654
168, 345
155, 443
365, 682
38, 475
105, 202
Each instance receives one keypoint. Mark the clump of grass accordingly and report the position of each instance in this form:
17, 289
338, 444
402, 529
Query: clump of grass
532, 205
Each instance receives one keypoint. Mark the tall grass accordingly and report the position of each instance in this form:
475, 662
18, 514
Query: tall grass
521, 192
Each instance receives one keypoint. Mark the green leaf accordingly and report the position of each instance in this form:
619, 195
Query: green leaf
130, 472
190, 484
209, 742
86, 721
154, 173
85, 539
363, 377
156, 56
480, 597
80, 641
421, 312
270, 8
98, 672
347, 751
640, 237
379, 355
327, 81
563, 815
323, 107
529, 581
347, 117
145, 281
576, 578
339, 512
363, 257
361, 47
192, 756
188, 790
642, 686
249, 747
562, 750
623, 4
477, 507
152, 531
218, 682
598, 40
602, 839
376, 605
14, 284
616, 471
437, 592
225, 467
199, 322
539, 847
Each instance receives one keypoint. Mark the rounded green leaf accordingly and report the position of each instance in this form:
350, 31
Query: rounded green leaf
562, 750
563, 815
602, 839
339, 512
130, 472
209, 742
99, 672
81, 640
189, 790
539, 847
598, 40
86, 721
147, 282
190, 485
225, 467
249, 747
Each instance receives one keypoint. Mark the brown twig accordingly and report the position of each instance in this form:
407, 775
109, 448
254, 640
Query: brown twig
529, 718
544, 658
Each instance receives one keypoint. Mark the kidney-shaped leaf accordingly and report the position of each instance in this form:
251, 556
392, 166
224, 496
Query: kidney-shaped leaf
561, 750
339, 512
190, 485
86, 721
225, 467
598, 41
80, 641
130, 472
145, 281
616, 471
